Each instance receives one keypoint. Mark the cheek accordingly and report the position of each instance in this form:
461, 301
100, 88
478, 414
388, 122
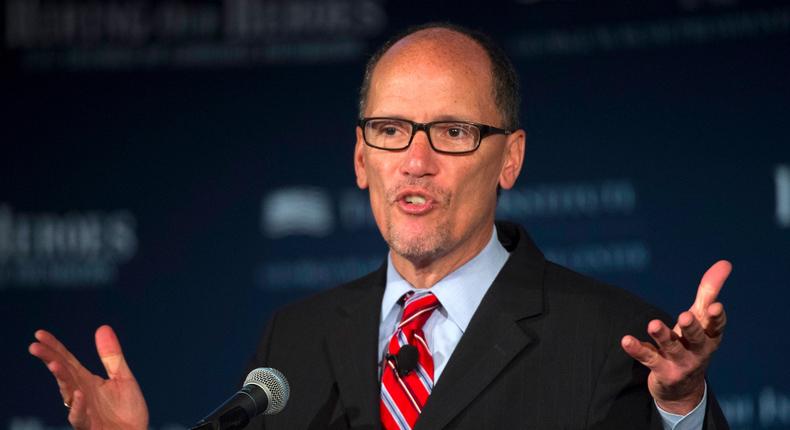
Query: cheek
381, 172
475, 195
377, 188
375, 177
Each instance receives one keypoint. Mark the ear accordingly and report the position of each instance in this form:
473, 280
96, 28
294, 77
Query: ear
359, 161
514, 158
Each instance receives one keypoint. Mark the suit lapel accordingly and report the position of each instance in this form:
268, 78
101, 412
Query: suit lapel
353, 349
493, 338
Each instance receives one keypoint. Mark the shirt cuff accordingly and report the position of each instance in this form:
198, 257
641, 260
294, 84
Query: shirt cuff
691, 421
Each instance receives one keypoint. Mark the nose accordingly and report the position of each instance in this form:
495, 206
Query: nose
419, 158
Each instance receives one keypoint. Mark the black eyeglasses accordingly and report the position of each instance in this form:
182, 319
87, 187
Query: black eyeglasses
448, 137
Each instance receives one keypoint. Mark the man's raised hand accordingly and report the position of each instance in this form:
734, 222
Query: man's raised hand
677, 364
95, 403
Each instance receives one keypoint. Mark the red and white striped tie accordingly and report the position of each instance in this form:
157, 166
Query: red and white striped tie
402, 397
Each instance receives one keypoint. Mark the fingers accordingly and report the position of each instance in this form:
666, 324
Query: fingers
109, 349
688, 335
717, 319
44, 353
669, 345
643, 352
64, 378
78, 413
667, 340
53, 343
49, 349
709, 287
60, 368
691, 330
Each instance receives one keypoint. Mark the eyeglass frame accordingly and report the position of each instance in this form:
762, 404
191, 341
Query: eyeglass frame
485, 131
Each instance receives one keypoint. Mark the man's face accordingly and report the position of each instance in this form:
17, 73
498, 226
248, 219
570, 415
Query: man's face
429, 205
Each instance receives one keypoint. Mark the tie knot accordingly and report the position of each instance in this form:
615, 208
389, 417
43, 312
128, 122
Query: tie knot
417, 308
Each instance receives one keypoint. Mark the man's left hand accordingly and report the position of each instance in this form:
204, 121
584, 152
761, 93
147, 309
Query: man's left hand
677, 364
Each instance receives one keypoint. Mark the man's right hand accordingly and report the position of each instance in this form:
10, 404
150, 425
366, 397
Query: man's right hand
95, 403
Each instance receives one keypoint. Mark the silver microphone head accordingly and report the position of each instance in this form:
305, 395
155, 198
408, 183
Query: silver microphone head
274, 384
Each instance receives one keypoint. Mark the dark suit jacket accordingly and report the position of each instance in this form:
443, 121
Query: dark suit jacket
541, 352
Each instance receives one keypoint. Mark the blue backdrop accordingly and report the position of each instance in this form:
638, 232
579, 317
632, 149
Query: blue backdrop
178, 170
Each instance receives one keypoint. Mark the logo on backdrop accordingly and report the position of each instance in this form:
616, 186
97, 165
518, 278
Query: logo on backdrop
770, 408
782, 180
585, 204
589, 198
70, 250
50, 34
297, 211
316, 213
687, 27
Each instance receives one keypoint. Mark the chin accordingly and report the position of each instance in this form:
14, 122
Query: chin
419, 246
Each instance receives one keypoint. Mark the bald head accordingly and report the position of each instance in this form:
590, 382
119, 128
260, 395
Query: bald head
443, 46
449, 45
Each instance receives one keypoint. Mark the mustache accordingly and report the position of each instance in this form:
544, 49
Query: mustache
438, 194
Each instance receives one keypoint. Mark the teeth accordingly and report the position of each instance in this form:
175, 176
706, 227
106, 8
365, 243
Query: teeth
415, 200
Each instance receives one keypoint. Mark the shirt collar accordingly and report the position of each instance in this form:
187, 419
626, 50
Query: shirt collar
460, 292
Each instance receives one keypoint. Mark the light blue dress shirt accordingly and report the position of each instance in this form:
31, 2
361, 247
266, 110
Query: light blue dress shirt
460, 293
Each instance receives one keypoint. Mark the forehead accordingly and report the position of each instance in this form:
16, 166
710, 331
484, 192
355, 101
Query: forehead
435, 72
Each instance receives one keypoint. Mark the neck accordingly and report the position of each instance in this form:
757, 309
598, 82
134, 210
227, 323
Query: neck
426, 272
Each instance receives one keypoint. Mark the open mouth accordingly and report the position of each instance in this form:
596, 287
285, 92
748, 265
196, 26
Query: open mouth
414, 200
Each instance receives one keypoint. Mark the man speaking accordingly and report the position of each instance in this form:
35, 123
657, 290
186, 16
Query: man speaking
466, 325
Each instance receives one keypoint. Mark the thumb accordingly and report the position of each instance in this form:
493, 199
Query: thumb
110, 352
710, 286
